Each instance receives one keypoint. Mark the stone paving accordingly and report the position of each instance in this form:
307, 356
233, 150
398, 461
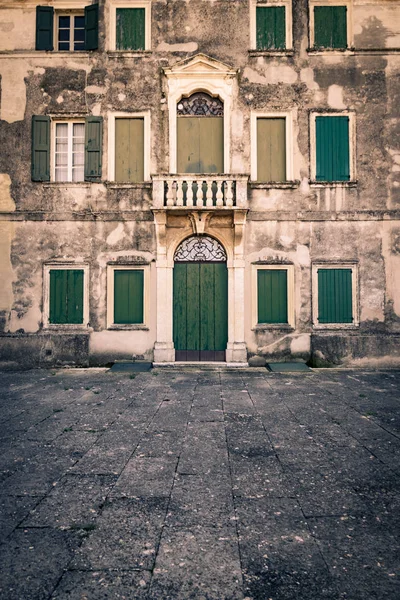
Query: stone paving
200, 485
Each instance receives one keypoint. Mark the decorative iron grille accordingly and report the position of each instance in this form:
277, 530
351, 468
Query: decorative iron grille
200, 249
200, 104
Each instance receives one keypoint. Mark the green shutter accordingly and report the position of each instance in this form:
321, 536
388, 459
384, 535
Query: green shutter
271, 149
44, 27
92, 27
40, 148
272, 296
332, 148
130, 34
335, 296
270, 28
330, 26
129, 150
128, 296
93, 148
66, 296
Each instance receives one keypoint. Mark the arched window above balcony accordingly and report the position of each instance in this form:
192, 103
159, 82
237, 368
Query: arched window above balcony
200, 104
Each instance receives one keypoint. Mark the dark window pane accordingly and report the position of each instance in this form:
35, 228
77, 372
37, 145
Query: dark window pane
63, 22
79, 45
63, 35
79, 35
63, 46
80, 21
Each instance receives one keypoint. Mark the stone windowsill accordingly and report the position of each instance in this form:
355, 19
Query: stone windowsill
271, 53
331, 51
67, 184
325, 184
266, 185
139, 327
128, 53
335, 326
127, 184
48, 53
67, 328
275, 326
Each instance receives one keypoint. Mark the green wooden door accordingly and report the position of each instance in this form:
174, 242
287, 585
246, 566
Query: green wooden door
200, 145
200, 311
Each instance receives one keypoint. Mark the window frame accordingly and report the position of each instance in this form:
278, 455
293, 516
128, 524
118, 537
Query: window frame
254, 4
349, 24
352, 148
71, 122
111, 268
288, 116
290, 296
65, 266
112, 117
114, 4
353, 266
73, 12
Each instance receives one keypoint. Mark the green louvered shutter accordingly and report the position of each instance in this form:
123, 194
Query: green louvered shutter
44, 27
330, 26
335, 296
271, 149
130, 34
332, 149
66, 296
92, 27
128, 296
40, 148
93, 148
270, 28
272, 296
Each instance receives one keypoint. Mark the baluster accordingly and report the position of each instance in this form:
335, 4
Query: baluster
220, 194
170, 192
228, 193
209, 193
179, 193
189, 193
200, 193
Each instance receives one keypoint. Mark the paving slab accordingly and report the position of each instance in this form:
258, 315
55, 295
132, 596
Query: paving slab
208, 485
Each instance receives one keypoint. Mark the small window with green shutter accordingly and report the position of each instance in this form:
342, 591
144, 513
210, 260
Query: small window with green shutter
128, 296
129, 149
66, 297
270, 27
332, 146
67, 30
271, 149
130, 31
330, 27
272, 296
335, 295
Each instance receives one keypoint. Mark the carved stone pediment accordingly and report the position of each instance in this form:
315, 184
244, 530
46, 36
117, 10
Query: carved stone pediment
201, 64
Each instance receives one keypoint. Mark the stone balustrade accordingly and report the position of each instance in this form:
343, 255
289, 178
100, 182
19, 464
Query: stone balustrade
200, 191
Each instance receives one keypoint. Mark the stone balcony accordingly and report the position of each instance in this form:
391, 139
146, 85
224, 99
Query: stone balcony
200, 192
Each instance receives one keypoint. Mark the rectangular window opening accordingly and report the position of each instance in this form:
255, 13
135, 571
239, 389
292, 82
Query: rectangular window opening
271, 149
332, 148
335, 296
330, 27
130, 29
270, 27
128, 296
71, 32
69, 151
66, 296
129, 149
272, 296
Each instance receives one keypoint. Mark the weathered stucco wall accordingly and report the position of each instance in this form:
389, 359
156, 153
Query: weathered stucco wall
301, 223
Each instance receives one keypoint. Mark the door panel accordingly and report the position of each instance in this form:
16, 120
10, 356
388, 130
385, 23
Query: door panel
200, 311
200, 144
129, 149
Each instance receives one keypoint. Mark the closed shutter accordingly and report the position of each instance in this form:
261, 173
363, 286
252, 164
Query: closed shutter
92, 27
270, 28
44, 27
130, 34
93, 148
271, 149
332, 148
129, 150
335, 303
272, 299
128, 296
330, 26
66, 296
40, 148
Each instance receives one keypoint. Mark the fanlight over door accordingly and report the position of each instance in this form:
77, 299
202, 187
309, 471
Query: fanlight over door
200, 130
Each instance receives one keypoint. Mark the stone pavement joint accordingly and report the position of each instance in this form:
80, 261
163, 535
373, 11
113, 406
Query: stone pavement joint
205, 485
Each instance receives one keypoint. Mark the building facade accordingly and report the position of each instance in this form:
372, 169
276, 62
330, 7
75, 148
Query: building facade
200, 180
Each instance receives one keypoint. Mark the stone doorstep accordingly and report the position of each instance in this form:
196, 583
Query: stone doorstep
206, 366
